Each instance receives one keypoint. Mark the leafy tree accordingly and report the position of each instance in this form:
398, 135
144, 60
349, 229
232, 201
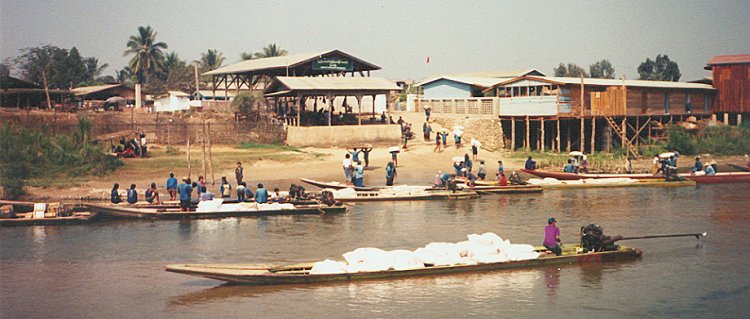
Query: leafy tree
124, 76
37, 65
244, 103
4, 71
175, 75
571, 70
248, 56
94, 70
267, 52
661, 69
211, 60
147, 54
602, 70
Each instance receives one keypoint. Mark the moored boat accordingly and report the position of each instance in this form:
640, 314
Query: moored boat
730, 177
602, 183
428, 194
509, 189
125, 211
27, 219
255, 274
336, 185
15, 213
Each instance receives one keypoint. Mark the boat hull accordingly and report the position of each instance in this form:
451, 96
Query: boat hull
733, 177
260, 275
127, 212
77, 218
432, 195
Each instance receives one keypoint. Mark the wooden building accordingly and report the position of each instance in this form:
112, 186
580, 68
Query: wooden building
731, 77
15, 92
467, 85
95, 95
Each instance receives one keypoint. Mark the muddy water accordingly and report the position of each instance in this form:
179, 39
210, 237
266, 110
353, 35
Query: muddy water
114, 269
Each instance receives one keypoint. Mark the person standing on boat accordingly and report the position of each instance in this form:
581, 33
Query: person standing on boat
261, 194
152, 195
530, 164
241, 192
552, 239
172, 186
186, 191
115, 194
347, 165
225, 188
201, 185
239, 173
482, 173
359, 175
500, 170
698, 165
132, 194
390, 173
676, 156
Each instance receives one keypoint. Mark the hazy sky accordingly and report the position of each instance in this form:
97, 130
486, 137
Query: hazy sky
458, 36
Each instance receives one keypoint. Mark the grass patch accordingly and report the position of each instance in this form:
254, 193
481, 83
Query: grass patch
276, 147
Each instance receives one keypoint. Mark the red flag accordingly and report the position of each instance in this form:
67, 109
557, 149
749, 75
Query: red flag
428, 59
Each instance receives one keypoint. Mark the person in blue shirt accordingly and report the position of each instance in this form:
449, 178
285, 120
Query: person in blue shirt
115, 194
355, 155
366, 155
698, 165
530, 164
390, 173
186, 192
500, 169
359, 175
261, 194
457, 166
568, 168
172, 186
132, 194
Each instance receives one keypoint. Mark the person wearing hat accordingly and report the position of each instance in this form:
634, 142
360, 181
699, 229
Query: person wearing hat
186, 192
172, 186
552, 239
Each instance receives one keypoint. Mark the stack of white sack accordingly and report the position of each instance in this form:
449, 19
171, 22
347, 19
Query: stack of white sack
275, 206
545, 181
239, 207
367, 259
209, 205
343, 193
328, 266
441, 254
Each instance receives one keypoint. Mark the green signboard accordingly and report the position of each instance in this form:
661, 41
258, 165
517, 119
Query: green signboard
333, 65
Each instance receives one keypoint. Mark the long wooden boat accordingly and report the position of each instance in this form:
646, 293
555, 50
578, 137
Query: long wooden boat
740, 167
639, 183
376, 196
25, 219
732, 177
124, 211
260, 274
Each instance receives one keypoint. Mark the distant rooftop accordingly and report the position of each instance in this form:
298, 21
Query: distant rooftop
280, 64
482, 79
728, 59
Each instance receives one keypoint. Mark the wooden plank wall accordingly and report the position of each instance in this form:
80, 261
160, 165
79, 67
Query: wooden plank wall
732, 84
612, 102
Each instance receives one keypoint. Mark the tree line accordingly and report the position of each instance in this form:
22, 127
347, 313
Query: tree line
660, 69
150, 64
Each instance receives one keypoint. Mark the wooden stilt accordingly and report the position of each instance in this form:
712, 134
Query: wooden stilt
567, 138
558, 136
541, 144
528, 135
593, 135
624, 131
583, 135
513, 134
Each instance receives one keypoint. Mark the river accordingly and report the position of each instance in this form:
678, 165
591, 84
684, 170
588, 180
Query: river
115, 268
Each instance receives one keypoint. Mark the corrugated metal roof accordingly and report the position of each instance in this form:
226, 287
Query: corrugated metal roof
85, 90
729, 59
337, 83
278, 62
481, 79
611, 82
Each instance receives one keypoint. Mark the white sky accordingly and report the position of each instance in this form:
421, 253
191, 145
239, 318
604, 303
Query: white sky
458, 36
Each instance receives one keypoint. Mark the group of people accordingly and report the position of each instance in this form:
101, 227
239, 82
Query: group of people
464, 170
129, 148
708, 168
575, 166
354, 171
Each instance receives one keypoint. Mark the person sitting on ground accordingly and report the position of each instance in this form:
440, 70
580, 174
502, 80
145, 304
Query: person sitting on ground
530, 164
698, 165
132, 194
225, 188
152, 195
115, 194
261, 194
552, 240
568, 168
241, 192
482, 173
709, 170
205, 194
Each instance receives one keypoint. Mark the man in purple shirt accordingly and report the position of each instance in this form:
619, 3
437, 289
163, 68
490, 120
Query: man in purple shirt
552, 237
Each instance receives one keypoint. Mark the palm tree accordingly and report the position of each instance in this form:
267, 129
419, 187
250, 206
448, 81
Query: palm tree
124, 75
148, 54
93, 69
248, 56
211, 60
271, 51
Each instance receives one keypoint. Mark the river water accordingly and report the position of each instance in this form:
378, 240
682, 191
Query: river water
114, 268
